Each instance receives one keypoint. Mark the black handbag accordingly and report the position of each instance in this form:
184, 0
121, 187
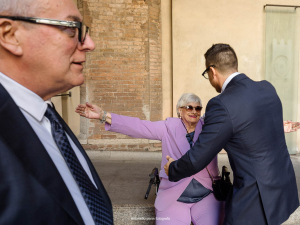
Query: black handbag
221, 187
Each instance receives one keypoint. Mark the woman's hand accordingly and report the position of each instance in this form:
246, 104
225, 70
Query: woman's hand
290, 126
89, 111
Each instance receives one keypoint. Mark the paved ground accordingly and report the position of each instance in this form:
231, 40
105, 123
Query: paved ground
125, 176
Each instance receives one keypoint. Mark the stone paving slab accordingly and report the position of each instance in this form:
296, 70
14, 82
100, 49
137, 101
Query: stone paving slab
125, 175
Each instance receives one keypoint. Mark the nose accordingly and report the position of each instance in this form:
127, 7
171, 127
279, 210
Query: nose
88, 45
194, 110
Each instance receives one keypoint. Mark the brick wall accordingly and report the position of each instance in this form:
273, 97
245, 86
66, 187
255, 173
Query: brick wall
123, 74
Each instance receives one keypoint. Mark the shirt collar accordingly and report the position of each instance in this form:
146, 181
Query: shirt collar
24, 98
228, 80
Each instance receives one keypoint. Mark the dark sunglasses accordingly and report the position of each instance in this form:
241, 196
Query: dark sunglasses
190, 108
82, 28
206, 70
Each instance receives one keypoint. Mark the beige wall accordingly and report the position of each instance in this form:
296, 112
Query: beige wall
167, 65
68, 110
200, 23
196, 25
66, 105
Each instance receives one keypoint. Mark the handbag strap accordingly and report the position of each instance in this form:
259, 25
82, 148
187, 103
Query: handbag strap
212, 180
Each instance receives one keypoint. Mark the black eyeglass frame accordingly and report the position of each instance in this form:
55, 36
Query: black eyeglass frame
82, 28
206, 70
188, 108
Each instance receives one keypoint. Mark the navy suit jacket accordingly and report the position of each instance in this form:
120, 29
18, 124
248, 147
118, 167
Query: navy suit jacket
246, 120
31, 188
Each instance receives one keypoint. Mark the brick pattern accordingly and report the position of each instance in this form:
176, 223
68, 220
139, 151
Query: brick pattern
123, 74
151, 147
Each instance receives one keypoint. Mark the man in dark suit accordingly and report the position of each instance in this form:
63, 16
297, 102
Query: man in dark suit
45, 175
245, 120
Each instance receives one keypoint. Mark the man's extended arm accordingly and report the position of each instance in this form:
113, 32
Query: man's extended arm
216, 132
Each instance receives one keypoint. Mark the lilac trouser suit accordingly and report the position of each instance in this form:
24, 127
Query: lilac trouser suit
172, 135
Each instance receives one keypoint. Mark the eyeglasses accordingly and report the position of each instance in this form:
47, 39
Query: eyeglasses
207, 69
190, 108
82, 28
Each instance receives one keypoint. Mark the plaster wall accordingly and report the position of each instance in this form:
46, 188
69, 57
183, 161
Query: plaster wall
198, 24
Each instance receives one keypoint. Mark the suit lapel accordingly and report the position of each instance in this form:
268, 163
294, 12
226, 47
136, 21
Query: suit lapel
198, 129
22, 140
181, 139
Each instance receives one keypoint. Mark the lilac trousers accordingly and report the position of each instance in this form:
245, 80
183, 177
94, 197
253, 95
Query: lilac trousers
208, 211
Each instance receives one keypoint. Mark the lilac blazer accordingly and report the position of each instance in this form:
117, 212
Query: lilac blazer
172, 135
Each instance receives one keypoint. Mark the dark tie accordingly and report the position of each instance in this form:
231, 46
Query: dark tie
90, 194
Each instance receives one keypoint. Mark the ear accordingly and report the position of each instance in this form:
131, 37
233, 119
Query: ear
214, 71
9, 36
180, 111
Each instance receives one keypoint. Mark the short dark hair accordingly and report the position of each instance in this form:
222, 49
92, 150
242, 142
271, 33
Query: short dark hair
222, 56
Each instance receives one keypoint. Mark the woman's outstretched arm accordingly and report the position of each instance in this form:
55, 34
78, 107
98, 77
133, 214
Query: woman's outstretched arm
91, 111
131, 126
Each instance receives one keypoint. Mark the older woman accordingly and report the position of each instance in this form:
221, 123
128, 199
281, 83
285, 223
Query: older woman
190, 199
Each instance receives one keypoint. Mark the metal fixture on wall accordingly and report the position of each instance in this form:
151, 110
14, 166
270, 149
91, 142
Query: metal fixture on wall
70, 94
294, 6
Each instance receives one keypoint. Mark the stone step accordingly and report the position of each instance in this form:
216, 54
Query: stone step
134, 214
125, 176
294, 218
145, 215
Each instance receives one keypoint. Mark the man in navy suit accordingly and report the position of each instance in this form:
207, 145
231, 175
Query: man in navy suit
45, 175
245, 120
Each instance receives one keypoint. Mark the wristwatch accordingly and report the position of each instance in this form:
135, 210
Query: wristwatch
103, 117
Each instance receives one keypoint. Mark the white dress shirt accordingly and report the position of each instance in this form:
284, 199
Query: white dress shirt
228, 80
33, 108
225, 84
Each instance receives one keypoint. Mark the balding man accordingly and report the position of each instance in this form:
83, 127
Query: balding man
245, 120
45, 175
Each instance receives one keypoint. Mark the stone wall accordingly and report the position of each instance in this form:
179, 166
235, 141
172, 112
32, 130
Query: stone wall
123, 74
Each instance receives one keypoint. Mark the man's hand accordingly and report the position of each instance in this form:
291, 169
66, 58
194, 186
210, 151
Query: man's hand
166, 167
290, 126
